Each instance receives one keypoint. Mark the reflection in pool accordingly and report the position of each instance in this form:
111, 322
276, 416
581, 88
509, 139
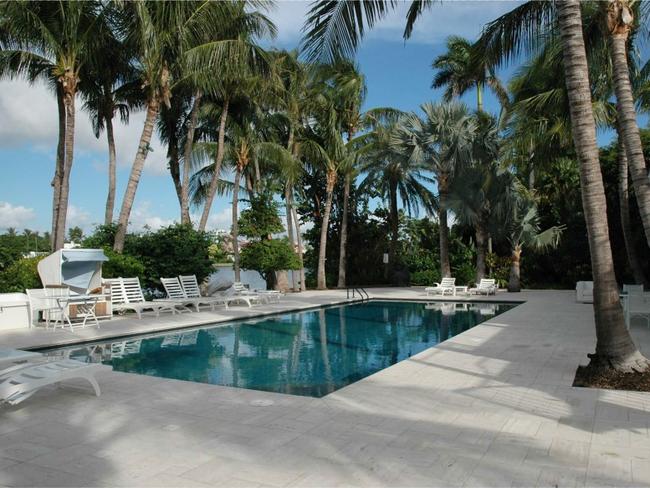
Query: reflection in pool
308, 353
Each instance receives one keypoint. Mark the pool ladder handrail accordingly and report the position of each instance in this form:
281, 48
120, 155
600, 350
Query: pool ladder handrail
360, 290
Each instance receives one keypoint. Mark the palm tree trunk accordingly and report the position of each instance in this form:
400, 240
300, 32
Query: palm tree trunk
481, 250
629, 127
60, 163
443, 191
136, 172
614, 346
112, 169
217, 170
288, 190
514, 283
235, 223
624, 209
479, 97
174, 166
185, 191
69, 99
322, 249
343, 261
303, 285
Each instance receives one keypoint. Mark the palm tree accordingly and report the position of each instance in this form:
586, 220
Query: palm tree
442, 140
614, 347
620, 23
523, 229
389, 171
52, 41
110, 87
461, 69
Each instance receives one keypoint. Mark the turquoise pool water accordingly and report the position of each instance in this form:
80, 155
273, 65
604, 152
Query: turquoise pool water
310, 353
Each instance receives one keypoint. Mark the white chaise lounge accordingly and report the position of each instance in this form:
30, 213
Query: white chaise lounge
176, 291
19, 382
447, 286
486, 286
126, 294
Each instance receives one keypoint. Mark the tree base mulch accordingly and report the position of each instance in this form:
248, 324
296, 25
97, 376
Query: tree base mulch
611, 380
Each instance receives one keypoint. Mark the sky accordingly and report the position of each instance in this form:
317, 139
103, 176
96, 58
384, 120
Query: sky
398, 74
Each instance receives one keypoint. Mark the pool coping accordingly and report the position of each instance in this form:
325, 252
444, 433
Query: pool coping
228, 321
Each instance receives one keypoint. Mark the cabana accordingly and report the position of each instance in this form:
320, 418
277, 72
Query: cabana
78, 269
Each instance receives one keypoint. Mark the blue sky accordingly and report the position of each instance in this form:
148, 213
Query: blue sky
398, 74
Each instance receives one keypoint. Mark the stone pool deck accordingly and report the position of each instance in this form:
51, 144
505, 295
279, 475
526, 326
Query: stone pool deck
493, 406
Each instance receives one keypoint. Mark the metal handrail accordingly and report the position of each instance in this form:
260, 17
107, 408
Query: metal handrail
358, 289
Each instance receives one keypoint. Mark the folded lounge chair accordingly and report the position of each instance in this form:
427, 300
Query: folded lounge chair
176, 291
447, 286
20, 382
585, 291
126, 294
485, 287
267, 295
191, 288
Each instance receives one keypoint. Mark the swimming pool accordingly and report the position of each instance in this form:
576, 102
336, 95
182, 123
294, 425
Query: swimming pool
309, 353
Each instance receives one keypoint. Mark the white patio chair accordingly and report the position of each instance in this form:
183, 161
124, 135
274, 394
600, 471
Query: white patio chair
585, 291
486, 286
22, 381
126, 294
176, 291
447, 286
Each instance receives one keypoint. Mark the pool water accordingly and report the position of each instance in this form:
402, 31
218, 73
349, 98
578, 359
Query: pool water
309, 353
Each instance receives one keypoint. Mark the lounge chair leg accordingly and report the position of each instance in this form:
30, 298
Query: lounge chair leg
95, 385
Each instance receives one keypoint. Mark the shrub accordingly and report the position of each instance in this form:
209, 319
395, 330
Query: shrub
268, 256
122, 265
425, 278
20, 275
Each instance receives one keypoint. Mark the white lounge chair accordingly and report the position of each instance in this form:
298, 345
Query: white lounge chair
632, 289
267, 295
447, 286
191, 288
176, 292
486, 286
22, 381
126, 294
585, 291
637, 305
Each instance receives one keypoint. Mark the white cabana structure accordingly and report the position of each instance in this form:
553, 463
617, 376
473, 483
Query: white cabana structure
78, 269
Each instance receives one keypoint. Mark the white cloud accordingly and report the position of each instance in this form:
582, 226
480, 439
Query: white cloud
15, 215
143, 217
30, 118
218, 220
78, 217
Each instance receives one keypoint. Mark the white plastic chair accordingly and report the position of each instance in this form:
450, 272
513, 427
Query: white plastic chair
447, 286
487, 286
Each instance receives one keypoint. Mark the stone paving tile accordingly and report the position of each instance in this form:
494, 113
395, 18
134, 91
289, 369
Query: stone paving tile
491, 407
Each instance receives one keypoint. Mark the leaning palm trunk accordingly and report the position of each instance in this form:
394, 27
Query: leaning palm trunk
443, 190
343, 261
110, 199
614, 346
303, 285
60, 163
288, 190
136, 172
235, 223
69, 99
514, 283
619, 26
212, 191
322, 250
481, 251
191, 127
624, 208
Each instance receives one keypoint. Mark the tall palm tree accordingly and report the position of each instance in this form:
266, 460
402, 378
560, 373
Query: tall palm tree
389, 171
443, 140
620, 24
110, 87
52, 41
614, 347
461, 69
